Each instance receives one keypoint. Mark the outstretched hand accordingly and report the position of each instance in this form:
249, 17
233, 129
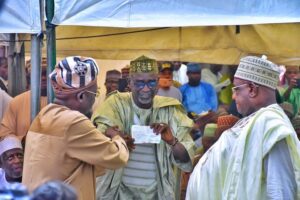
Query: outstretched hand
113, 131
164, 130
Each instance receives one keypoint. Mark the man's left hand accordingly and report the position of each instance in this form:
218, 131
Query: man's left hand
165, 132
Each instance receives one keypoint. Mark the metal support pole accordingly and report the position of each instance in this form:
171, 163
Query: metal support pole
16, 71
51, 47
11, 65
35, 83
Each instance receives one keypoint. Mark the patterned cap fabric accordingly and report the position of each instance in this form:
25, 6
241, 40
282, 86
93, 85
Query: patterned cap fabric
258, 70
162, 65
75, 72
193, 67
209, 130
143, 64
227, 120
8, 143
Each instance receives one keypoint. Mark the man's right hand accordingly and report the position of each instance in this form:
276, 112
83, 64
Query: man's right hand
113, 131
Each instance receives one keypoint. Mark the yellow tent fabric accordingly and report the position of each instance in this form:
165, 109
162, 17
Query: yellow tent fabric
208, 44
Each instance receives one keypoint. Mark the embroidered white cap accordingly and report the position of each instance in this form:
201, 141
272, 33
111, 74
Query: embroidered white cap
8, 143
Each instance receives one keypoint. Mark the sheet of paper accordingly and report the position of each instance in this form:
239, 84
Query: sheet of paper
144, 134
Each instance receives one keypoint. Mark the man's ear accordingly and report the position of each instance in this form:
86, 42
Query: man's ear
0, 161
253, 90
80, 96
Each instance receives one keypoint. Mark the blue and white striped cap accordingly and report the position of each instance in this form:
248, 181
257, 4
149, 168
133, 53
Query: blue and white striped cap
75, 72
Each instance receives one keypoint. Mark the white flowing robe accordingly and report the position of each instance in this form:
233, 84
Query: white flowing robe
235, 167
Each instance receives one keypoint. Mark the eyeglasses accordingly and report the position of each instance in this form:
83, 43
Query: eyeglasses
97, 93
236, 88
141, 84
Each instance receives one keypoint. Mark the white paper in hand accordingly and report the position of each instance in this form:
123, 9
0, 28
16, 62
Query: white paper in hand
144, 134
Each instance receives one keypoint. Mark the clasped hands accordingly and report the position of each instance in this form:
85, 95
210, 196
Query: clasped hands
158, 128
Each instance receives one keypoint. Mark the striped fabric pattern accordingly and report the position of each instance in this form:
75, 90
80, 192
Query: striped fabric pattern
141, 168
75, 72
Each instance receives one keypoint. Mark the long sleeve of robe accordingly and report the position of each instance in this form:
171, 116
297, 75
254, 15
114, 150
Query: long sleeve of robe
5, 99
63, 144
244, 167
117, 110
16, 119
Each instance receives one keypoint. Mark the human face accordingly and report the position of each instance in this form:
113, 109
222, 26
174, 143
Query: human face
240, 93
144, 87
194, 78
44, 82
112, 82
176, 65
12, 163
291, 72
4, 68
88, 99
166, 73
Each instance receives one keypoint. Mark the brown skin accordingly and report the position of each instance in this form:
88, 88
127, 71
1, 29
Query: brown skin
291, 74
200, 123
194, 78
112, 82
176, 65
83, 102
252, 97
11, 162
298, 132
43, 82
4, 68
165, 78
143, 98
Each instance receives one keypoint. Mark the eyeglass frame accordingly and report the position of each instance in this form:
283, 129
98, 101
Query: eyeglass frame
145, 83
97, 93
236, 88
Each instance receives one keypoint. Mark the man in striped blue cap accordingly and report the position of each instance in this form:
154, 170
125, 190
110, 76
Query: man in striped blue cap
62, 137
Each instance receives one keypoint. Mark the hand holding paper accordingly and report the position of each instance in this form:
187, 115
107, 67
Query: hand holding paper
144, 134
165, 132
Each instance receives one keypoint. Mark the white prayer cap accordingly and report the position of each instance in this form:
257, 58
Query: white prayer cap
258, 70
8, 143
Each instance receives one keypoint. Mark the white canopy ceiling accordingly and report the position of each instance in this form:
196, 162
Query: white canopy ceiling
20, 16
174, 13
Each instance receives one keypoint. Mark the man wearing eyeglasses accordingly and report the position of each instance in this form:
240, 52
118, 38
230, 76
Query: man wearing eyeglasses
11, 161
258, 158
144, 116
62, 143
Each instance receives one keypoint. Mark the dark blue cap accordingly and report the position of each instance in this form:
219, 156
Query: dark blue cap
193, 67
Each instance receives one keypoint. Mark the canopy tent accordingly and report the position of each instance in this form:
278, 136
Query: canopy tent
20, 16
174, 13
208, 44
190, 30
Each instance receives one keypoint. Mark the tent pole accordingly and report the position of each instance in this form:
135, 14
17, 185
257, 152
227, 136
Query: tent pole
51, 47
35, 83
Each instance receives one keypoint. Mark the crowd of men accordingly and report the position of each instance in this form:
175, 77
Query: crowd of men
164, 128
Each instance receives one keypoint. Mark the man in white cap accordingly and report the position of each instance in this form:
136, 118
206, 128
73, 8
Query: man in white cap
11, 161
62, 143
259, 157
